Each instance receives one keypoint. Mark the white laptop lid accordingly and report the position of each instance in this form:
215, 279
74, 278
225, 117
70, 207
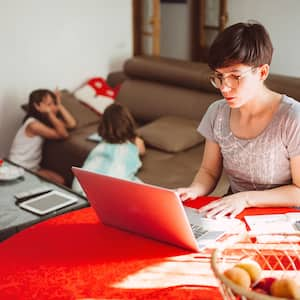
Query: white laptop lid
141, 208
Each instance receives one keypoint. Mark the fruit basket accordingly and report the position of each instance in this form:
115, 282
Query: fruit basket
271, 261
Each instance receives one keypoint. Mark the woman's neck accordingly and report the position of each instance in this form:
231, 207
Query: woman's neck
264, 100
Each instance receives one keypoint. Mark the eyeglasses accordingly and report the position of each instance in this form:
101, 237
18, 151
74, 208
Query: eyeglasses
230, 80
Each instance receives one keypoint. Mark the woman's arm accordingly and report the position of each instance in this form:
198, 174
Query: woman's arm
208, 173
69, 120
140, 145
284, 196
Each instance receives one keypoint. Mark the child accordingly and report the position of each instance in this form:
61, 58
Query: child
118, 153
40, 123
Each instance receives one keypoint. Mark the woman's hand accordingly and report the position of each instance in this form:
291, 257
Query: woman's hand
191, 193
229, 206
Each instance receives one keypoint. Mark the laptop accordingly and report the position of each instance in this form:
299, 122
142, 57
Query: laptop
148, 210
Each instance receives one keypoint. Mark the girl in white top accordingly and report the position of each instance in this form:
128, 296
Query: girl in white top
40, 123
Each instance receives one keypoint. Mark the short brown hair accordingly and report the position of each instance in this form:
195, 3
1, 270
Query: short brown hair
245, 43
117, 125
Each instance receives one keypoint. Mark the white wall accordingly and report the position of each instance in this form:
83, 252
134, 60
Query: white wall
281, 18
56, 43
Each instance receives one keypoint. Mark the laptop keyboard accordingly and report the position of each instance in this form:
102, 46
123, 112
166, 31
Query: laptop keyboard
198, 230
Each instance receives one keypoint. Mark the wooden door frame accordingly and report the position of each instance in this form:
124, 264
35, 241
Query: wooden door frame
137, 12
198, 46
137, 26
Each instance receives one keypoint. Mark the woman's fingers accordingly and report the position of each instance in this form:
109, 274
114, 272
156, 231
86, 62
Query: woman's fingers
209, 206
221, 208
224, 212
236, 212
182, 193
186, 193
213, 213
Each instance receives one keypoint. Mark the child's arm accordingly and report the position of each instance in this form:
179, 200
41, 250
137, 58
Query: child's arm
69, 120
140, 145
58, 131
38, 128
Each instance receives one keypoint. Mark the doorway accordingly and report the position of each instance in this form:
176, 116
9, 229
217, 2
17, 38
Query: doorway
182, 29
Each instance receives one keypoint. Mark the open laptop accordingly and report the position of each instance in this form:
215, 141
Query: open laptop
147, 210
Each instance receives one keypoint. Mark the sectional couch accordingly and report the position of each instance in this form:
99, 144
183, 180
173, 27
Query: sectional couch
168, 98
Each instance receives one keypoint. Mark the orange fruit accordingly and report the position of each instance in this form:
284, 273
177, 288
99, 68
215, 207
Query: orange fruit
252, 267
239, 276
286, 288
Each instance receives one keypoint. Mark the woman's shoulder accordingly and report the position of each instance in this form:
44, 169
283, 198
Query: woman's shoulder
291, 105
218, 104
216, 107
289, 113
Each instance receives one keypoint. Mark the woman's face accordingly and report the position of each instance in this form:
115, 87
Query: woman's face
239, 83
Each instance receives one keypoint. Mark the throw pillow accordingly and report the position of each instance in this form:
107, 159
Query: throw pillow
83, 115
171, 133
96, 94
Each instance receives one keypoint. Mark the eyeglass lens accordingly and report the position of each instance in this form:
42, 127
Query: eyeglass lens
230, 81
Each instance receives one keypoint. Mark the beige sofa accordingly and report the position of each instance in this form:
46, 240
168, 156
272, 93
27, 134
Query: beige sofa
168, 98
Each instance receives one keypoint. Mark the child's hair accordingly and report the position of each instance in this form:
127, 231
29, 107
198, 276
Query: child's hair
36, 97
117, 125
241, 43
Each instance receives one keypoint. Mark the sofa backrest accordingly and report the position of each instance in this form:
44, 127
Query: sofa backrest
158, 86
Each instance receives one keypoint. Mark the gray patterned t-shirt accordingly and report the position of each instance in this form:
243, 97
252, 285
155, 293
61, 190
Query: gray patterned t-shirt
262, 162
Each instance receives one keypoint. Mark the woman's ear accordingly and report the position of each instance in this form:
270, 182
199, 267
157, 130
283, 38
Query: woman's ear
264, 71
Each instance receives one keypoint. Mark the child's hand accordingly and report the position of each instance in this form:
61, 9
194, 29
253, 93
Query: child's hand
58, 96
42, 108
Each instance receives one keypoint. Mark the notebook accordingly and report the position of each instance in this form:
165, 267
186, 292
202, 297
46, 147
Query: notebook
151, 211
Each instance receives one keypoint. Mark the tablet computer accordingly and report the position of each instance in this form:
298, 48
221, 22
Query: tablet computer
48, 203
95, 137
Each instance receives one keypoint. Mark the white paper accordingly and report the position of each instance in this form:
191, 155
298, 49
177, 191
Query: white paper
273, 223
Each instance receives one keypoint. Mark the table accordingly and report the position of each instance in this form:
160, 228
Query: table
12, 217
74, 256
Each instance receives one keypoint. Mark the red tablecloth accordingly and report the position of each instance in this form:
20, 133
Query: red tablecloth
74, 256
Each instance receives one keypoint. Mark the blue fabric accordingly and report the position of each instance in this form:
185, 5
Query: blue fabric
117, 160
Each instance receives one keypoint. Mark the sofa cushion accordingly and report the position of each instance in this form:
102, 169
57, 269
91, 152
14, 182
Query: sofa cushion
149, 100
171, 133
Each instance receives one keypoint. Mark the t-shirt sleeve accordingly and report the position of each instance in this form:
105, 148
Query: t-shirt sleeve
206, 126
292, 131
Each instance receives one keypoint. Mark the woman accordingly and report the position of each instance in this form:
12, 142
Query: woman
253, 133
